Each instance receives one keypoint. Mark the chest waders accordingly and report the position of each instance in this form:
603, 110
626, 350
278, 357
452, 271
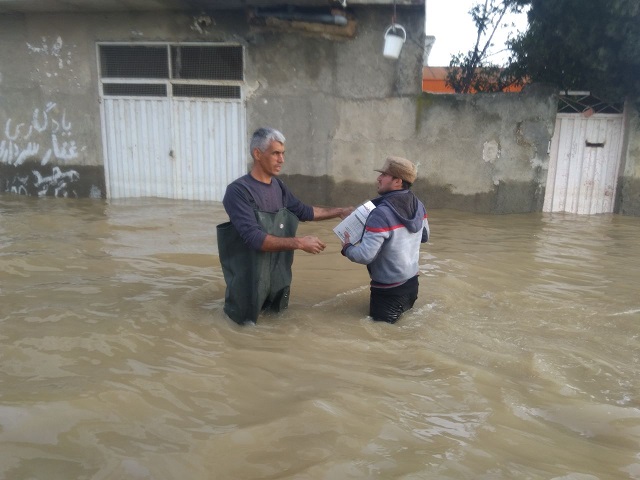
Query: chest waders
256, 280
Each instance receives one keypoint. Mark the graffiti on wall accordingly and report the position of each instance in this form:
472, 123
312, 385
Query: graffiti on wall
52, 50
57, 184
47, 133
38, 153
30, 144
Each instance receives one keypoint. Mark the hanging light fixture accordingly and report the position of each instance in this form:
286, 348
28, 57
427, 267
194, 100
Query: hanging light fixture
394, 37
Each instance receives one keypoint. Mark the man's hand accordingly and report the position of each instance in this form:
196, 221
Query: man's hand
312, 244
347, 239
346, 211
324, 213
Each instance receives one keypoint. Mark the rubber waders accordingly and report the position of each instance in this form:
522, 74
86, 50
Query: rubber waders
256, 280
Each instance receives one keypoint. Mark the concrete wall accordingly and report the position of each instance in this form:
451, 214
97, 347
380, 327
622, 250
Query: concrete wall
48, 107
482, 153
342, 106
50, 126
628, 201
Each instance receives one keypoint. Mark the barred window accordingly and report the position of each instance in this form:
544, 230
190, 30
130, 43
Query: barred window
133, 61
579, 102
185, 70
134, 90
206, 91
210, 63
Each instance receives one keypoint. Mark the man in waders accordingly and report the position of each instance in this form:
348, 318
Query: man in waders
256, 246
390, 244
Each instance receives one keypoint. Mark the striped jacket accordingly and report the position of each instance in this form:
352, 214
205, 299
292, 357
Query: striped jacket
390, 245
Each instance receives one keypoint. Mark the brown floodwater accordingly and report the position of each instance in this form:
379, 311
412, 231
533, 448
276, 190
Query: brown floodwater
520, 359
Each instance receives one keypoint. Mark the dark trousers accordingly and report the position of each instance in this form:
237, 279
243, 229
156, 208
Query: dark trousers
387, 304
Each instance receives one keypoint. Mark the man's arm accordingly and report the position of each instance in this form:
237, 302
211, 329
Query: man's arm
304, 211
367, 250
372, 240
325, 213
242, 216
308, 243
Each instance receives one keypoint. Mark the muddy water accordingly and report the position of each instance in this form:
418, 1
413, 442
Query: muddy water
519, 360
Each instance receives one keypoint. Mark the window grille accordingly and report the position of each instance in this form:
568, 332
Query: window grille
134, 90
200, 71
583, 101
118, 61
206, 91
207, 63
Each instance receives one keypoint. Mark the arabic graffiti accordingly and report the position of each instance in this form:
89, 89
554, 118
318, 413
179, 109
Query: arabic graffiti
34, 183
47, 132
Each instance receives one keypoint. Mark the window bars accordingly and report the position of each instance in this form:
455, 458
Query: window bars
584, 102
160, 70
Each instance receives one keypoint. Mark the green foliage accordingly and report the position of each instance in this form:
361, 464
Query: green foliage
465, 77
474, 71
581, 45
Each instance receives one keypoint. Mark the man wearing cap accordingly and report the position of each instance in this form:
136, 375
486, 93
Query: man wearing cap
390, 245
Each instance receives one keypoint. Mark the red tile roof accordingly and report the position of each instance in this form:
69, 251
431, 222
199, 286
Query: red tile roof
434, 80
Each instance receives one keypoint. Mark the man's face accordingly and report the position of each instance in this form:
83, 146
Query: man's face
387, 183
272, 159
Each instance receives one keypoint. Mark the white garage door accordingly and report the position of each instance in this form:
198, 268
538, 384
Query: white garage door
173, 119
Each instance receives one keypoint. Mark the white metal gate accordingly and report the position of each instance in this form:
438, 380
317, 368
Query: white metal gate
171, 129
584, 163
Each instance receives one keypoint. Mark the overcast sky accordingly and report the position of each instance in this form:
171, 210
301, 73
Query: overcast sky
449, 21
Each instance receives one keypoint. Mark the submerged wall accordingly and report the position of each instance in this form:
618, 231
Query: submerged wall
341, 105
629, 180
50, 124
49, 114
482, 153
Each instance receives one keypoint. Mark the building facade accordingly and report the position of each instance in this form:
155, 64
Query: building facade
133, 98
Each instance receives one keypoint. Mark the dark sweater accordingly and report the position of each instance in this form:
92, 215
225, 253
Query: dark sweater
268, 198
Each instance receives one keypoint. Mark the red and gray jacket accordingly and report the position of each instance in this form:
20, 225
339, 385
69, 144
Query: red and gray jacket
390, 245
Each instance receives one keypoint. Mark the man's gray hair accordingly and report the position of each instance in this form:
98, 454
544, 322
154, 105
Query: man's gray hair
262, 137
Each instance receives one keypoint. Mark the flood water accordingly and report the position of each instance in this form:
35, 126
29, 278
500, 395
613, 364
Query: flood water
520, 359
